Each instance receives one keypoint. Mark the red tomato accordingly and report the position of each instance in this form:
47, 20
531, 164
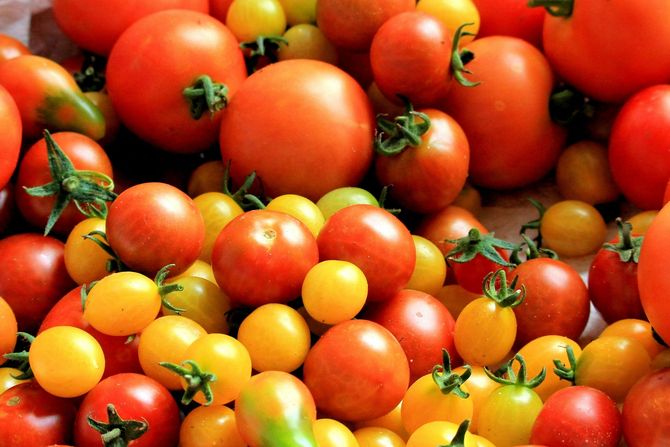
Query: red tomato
151, 225
586, 47
32, 276
10, 139
262, 257
640, 161
31, 417
510, 18
421, 324
452, 222
147, 78
356, 371
95, 27
136, 397
375, 241
311, 121
513, 141
11, 47
645, 411
578, 416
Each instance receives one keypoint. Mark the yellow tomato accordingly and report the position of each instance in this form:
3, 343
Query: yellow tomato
199, 269
332, 433
208, 177
573, 228
211, 426
8, 328
217, 210
306, 41
437, 433
203, 302
639, 330
453, 13
378, 437
479, 386
391, 420
85, 260
430, 269
301, 208
455, 298
249, 19
299, 11
641, 221
8, 380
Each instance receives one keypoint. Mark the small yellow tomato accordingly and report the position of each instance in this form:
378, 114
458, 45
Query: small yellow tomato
199, 269
211, 426
306, 41
430, 269
455, 298
378, 437
437, 433
479, 387
299, 11
85, 260
249, 19
301, 208
8, 378
208, 177
639, 330
203, 302
453, 13
641, 221
217, 210
391, 420
573, 228
332, 433
8, 329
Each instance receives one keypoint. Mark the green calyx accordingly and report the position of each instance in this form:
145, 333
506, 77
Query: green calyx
447, 380
263, 46
118, 432
496, 288
535, 223
628, 246
242, 196
459, 438
89, 190
196, 379
394, 136
383, 195
205, 94
113, 264
567, 372
556, 8
568, 106
165, 289
91, 76
531, 251
506, 375
21, 358
485, 245
459, 58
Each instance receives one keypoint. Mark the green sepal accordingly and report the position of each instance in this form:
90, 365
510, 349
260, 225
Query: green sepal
118, 432
535, 223
196, 379
531, 251
113, 264
263, 46
394, 136
475, 243
567, 372
22, 358
506, 375
241, 196
383, 195
205, 94
556, 8
627, 246
165, 289
461, 57
496, 288
447, 380
459, 438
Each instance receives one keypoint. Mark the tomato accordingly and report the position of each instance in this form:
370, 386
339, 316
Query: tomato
8, 329
219, 9
10, 144
556, 303
506, 117
641, 221
38, 262
642, 180
645, 410
306, 41
11, 47
422, 325
85, 260
165, 340
206, 177
639, 330
429, 176
377, 437
479, 387
453, 13
48, 97
331, 433
353, 26
301, 208
411, 56
573, 228
201, 301
299, 11
214, 426
66, 361
276, 336
339, 198
276, 407
97, 28
151, 225
374, 240
578, 416
311, 120
356, 371
135, 397
35, 170
390, 421
217, 210
250, 19
455, 298
189, 45
438, 433
430, 269
30, 417
262, 257
8, 378
586, 42
651, 273
510, 18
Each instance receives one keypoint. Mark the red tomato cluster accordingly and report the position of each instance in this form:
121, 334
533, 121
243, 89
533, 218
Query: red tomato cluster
260, 223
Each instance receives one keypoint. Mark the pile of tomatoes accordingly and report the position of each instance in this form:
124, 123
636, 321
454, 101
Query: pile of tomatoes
257, 223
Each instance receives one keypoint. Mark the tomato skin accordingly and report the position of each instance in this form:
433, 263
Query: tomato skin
262, 257
7, 207
39, 262
33, 170
11, 47
214, 426
451, 222
422, 325
85, 260
366, 388
134, 396
10, 141
577, 416
506, 117
507, 416
374, 240
654, 254
31, 417
510, 18
642, 180
151, 225
8, 329
586, 48
188, 44
430, 176
645, 410
311, 120
573, 228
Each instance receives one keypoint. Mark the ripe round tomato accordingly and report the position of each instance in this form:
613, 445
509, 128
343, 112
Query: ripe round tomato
573, 228
10, 142
311, 121
11, 47
510, 18
250, 19
645, 410
214, 426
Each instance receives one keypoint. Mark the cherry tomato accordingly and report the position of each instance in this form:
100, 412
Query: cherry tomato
339, 198
377, 437
8, 329
206, 177
8, 378
301, 208
453, 13
250, 19
438, 433
391, 421
645, 410
10, 144
201, 301
299, 11
584, 234
639, 330
479, 387
11, 47
85, 260
332, 433
455, 298
510, 18
306, 41
214, 426
217, 210
430, 269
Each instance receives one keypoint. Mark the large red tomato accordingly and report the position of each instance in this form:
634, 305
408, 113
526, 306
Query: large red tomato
156, 59
304, 126
10, 138
646, 411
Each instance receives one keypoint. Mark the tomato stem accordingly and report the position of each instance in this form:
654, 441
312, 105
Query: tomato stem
566, 372
459, 438
531, 251
475, 243
535, 223
263, 46
22, 358
196, 379
394, 136
113, 264
496, 288
165, 289
628, 246
205, 94
459, 58
507, 376
118, 432
557, 8
447, 380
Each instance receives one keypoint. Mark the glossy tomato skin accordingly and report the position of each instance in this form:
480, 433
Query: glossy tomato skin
31, 417
311, 121
375, 241
356, 371
11, 47
422, 325
10, 141
645, 410
586, 48
513, 141
97, 27
430, 176
136, 397
451, 222
262, 257
510, 18
151, 225
642, 179
33, 170
577, 416
183, 46
32, 276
